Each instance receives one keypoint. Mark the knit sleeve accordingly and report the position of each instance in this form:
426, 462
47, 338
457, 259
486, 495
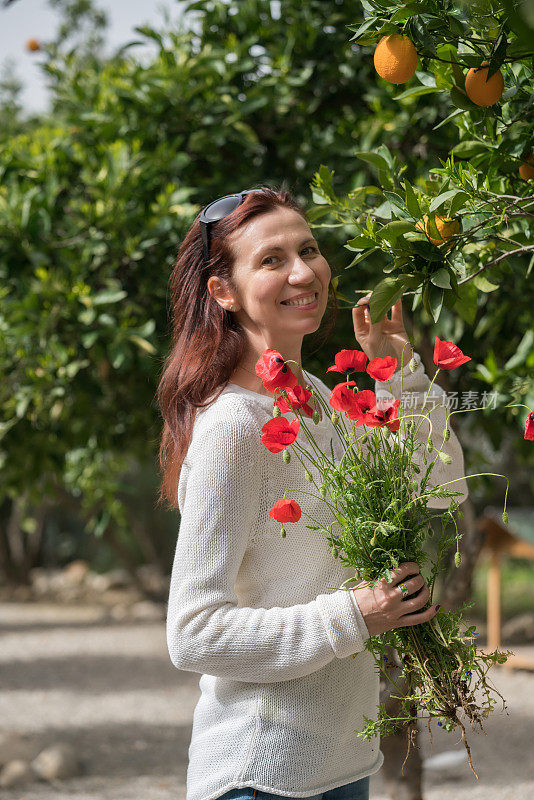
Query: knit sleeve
414, 388
207, 631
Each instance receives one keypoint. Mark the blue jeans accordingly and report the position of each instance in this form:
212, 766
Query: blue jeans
359, 790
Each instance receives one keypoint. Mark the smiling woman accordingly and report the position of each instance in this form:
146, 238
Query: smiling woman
280, 276
239, 286
256, 614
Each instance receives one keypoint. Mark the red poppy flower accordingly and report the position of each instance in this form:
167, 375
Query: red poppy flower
447, 355
385, 414
381, 369
342, 397
286, 510
297, 398
274, 372
529, 427
277, 433
349, 361
364, 402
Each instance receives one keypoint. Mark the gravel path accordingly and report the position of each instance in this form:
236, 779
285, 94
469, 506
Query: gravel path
109, 688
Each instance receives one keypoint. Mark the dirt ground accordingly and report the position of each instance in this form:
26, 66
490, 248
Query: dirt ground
69, 673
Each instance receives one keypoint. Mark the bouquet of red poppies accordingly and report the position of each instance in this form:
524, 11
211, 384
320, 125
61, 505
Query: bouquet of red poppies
378, 493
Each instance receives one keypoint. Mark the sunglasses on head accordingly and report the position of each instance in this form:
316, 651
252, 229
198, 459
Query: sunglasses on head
217, 210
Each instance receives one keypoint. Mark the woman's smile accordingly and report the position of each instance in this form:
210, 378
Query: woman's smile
303, 304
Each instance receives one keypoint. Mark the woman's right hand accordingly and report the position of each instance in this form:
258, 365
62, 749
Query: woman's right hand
383, 607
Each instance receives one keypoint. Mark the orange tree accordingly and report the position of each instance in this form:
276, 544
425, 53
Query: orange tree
455, 239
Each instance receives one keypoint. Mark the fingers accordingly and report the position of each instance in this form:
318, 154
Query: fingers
412, 584
417, 618
416, 602
360, 314
403, 570
364, 301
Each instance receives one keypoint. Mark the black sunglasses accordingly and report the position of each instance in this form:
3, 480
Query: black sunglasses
216, 210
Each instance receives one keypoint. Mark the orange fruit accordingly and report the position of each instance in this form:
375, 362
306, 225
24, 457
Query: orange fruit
446, 227
395, 58
33, 44
479, 90
526, 172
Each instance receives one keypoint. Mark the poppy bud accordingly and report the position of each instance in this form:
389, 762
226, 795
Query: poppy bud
286, 456
276, 411
364, 437
457, 559
446, 434
308, 475
373, 541
334, 417
429, 445
322, 491
335, 552
505, 517
412, 365
283, 533
387, 432
445, 457
315, 417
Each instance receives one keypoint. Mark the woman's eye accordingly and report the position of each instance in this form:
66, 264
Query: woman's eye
306, 248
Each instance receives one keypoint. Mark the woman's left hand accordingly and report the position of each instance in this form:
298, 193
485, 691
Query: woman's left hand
387, 337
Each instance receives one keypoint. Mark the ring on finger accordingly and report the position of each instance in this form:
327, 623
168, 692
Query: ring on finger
404, 589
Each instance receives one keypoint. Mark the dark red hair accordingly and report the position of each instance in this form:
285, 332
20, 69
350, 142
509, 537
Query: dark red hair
207, 341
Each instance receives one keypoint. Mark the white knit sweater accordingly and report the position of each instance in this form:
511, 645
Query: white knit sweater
259, 616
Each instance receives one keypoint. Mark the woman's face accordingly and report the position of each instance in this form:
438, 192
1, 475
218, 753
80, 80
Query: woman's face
277, 258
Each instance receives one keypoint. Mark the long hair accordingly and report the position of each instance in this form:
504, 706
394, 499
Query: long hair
207, 341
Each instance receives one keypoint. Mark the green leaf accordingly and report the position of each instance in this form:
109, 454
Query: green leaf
396, 200
524, 348
316, 212
432, 228
384, 296
362, 28
383, 151
441, 278
322, 184
109, 296
458, 203
361, 257
385, 180
405, 12
142, 343
374, 159
460, 100
427, 250
394, 229
448, 118
411, 201
436, 301
442, 198
417, 91
359, 242
469, 148
467, 304
483, 284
